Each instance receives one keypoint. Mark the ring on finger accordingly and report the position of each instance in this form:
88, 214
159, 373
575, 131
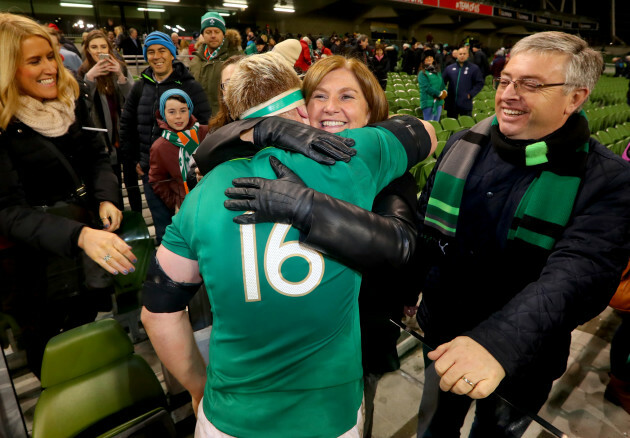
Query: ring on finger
468, 381
107, 257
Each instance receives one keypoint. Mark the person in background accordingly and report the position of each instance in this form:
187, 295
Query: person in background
172, 171
408, 58
109, 81
304, 60
539, 218
138, 125
261, 45
432, 88
192, 47
360, 50
71, 60
497, 63
55, 177
380, 65
480, 59
131, 46
321, 51
208, 59
464, 81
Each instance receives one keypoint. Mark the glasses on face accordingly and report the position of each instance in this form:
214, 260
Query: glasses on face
522, 86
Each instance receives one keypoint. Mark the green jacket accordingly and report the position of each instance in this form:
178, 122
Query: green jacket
431, 85
208, 73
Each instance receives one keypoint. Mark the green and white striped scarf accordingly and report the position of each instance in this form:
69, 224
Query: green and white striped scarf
546, 207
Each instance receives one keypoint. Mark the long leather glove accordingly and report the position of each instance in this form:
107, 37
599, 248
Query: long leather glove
357, 237
225, 143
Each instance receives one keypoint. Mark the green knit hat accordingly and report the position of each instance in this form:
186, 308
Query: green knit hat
212, 19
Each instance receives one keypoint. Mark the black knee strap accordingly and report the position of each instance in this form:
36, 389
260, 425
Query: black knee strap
160, 294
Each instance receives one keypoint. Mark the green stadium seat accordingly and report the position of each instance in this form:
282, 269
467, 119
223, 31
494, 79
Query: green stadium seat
419, 113
443, 135
466, 121
451, 125
436, 125
604, 138
406, 111
390, 95
403, 103
439, 148
93, 384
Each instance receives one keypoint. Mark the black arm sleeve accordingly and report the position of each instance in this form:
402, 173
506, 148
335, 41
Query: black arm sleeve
160, 294
412, 134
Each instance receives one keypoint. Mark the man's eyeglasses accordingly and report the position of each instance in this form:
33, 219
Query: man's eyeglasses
522, 85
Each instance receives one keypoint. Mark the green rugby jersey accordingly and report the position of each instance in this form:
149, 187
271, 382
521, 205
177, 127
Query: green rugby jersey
285, 357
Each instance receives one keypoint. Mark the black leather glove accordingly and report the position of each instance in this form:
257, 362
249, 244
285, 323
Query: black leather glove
318, 145
225, 143
284, 200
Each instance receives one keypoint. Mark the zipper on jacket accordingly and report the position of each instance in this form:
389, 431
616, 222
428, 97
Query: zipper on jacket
457, 85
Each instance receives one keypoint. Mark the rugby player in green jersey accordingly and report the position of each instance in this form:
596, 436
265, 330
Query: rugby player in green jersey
294, 368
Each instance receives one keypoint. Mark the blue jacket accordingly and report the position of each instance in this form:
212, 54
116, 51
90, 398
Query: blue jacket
462, 81
523, 307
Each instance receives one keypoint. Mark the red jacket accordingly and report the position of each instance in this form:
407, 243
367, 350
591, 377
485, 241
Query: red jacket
304, 60
164, 174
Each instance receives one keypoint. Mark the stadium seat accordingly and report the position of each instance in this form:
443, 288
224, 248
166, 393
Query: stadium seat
401, 94
439, 148
466, 121
604, 138
419, 113
93, 384
451, 125
406, 111
390, 95
403, 103
437, 126
443, 135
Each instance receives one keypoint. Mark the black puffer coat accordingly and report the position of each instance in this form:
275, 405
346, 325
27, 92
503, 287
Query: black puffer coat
32, 175
138, 125
523, 308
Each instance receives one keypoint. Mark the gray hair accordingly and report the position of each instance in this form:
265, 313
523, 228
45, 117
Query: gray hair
584, 65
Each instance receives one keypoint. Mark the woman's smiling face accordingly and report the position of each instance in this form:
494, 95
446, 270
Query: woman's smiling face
337, 103
36, 74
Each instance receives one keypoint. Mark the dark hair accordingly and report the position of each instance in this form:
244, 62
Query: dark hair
178, 98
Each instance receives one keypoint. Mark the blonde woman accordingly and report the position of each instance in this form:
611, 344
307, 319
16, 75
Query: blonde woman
54, 169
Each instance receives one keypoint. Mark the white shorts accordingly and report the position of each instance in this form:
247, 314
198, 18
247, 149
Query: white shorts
205, 429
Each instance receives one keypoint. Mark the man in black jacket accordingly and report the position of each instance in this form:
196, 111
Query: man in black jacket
529, 242
138, 126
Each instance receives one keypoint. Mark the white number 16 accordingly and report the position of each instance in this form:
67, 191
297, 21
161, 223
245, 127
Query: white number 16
276, 253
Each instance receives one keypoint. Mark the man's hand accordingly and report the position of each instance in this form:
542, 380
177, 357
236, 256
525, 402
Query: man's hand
284, 200
465, 367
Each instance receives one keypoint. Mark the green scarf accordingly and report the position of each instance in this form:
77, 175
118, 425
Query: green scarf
210, 56
545, 209
187, 142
